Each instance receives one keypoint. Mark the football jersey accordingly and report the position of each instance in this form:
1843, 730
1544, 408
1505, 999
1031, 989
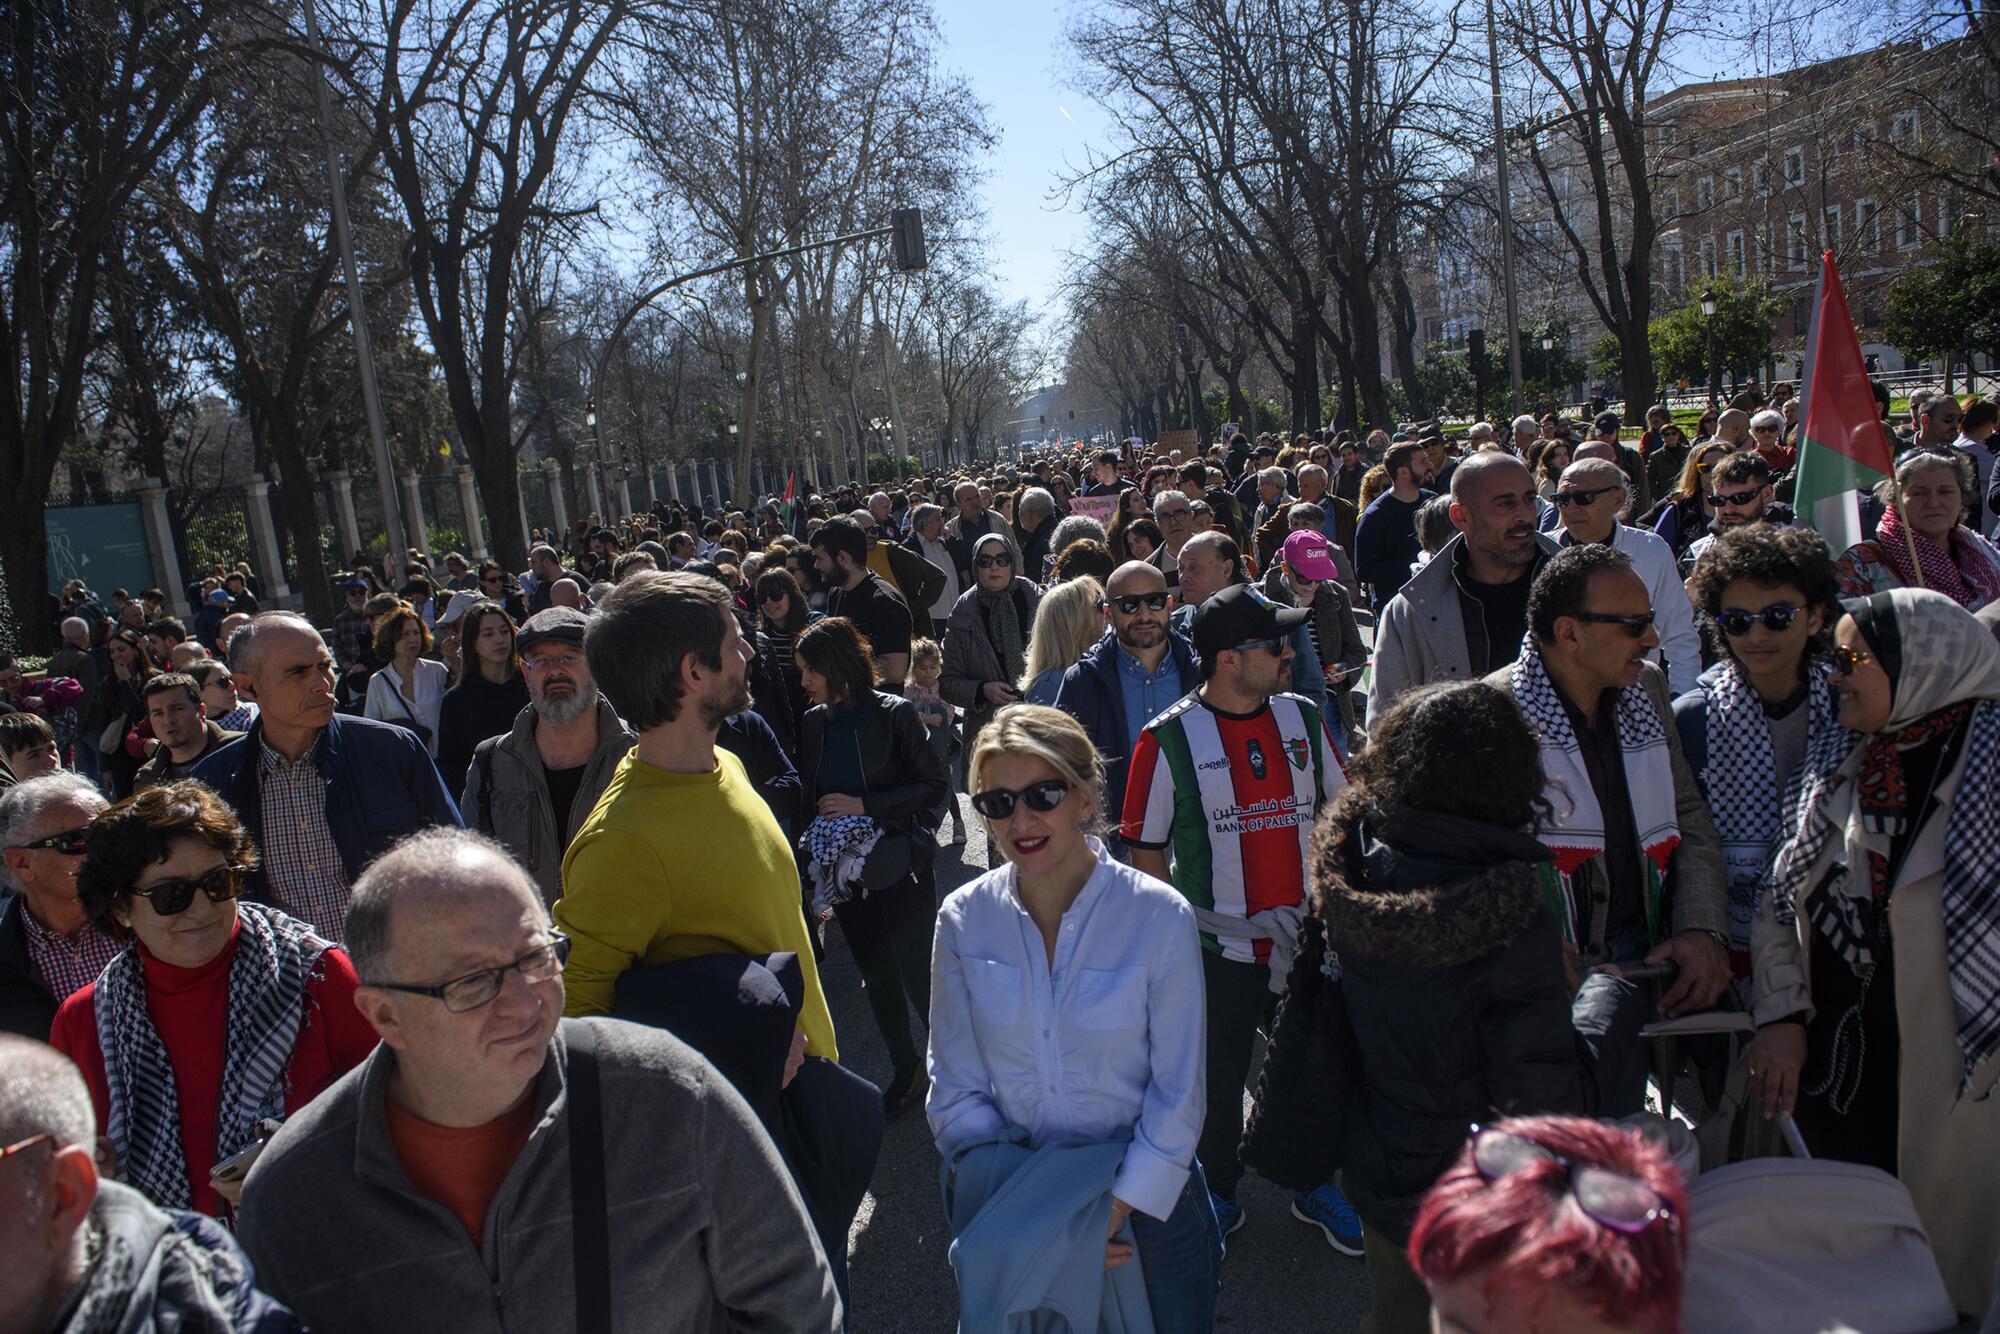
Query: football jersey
1233, 799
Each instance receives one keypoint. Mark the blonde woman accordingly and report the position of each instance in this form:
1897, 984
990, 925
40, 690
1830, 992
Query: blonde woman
1067, 623
1067, 1013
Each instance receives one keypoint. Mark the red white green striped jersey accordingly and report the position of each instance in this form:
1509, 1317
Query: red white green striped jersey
1234, 798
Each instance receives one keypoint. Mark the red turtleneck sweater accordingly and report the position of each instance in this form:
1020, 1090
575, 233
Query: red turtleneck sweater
189, 1009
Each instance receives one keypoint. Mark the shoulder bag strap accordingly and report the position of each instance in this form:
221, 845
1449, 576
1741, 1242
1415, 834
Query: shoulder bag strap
590, 1226
483, 758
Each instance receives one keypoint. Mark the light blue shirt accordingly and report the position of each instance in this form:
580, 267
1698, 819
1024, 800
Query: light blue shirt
1108, 1041
1147, 694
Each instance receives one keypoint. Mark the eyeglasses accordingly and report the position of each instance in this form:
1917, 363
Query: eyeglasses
1001, 560
1582, 499
69, 843
1620, 1202
1635, 626
170, 898
24, 1145
1776, 618
567, 662
1736, 497
1271, 645
997, 803
476, 989
1846, 661
1129, 606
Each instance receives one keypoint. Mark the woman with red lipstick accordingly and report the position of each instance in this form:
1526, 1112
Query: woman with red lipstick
218, 1013
1771, 595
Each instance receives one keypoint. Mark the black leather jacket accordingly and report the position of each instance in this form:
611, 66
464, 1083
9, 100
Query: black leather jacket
902, 777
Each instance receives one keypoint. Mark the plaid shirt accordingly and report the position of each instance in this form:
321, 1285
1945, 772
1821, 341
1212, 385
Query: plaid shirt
352, 632
67, 963
301, 861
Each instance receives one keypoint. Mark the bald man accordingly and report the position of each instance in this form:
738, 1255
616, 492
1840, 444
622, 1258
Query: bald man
452, 1143
1589, 499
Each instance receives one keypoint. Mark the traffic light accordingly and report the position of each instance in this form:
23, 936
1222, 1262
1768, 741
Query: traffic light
906, 239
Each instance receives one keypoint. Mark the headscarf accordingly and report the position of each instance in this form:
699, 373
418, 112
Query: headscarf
1945, 668
1961, 567
1003, 617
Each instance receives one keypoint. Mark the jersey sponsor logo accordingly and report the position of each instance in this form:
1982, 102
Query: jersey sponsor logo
1257, 766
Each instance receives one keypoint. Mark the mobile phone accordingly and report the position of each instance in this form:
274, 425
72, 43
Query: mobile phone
237, 1165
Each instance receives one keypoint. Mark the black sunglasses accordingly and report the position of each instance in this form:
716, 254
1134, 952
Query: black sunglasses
989, 562
1776, 617
170, 898
69, 842
1616, 1200
1129, 606
1847, 661
1634, 625
1735, 497
997, 803
1582, 498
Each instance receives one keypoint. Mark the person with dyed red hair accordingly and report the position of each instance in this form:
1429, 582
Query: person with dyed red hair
1557, 1225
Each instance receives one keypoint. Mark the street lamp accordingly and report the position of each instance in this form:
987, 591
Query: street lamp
1708, 306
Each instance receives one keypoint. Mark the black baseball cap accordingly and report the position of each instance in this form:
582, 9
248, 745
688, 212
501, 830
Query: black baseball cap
561, 625
1240, 614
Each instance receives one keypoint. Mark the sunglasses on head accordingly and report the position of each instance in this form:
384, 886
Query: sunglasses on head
1268, 645
1846, 661
1634, 626
1620, 1202
997, 803
69, 842
1129, 606
172, 897
1582, 499
1000, 559
1776, 617
1735, 497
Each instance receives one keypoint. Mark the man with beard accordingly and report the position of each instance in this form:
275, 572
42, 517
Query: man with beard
532, 786
1741, 493
1129, 677
1466, 611
681, 857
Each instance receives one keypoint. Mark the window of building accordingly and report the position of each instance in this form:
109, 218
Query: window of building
1706, 256
1795, 168
1862, 140
1797, 245
1732, 184
1760, 176
1903, 129
1672, 271
1948, 215
1829, 227
1733, 247
1670, 206
1909, 225
1761, 259
1867, 227
1704, 193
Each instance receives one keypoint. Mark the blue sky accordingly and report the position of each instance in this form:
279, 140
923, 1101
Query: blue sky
1012, 55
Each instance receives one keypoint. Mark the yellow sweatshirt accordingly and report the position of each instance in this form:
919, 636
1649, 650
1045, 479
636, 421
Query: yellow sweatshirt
670, 866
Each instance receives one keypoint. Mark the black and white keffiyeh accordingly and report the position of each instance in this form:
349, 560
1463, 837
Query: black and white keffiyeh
1971, 895
277, 959
836, 849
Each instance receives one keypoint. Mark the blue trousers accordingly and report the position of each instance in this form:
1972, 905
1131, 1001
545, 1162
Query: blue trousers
1181, 1257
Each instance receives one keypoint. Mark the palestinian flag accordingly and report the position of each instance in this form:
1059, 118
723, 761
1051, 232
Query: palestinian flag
1843, 446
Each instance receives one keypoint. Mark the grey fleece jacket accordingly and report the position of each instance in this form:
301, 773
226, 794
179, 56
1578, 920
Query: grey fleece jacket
707, 1231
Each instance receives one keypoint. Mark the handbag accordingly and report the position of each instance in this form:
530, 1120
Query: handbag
888, 862
1296, 1134
112, 739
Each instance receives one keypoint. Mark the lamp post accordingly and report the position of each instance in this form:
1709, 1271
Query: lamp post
1708, 306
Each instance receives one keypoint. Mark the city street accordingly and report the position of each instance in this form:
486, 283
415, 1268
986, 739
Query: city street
1280, 1275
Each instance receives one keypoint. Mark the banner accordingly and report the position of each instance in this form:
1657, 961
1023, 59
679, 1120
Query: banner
1101, 508
1843, 445
103, 545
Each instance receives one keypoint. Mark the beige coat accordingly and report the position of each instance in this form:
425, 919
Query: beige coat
1949, 1150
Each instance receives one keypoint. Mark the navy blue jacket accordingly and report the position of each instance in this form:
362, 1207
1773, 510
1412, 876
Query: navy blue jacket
380, 785
1092, 694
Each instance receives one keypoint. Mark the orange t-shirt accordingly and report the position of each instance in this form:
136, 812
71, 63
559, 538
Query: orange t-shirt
461, 1167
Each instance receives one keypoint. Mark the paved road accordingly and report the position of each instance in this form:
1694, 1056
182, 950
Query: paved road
1280, 1275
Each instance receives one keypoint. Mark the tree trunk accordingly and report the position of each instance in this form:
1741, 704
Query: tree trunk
301, 524
1305, 368
1403, 318
25, 549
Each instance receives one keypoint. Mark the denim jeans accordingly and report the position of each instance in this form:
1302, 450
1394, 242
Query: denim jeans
1181, 1258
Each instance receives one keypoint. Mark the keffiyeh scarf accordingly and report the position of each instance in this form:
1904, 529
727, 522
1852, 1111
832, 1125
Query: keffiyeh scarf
1576, 832
277, 959
1744, 792
836, 849
1962, 571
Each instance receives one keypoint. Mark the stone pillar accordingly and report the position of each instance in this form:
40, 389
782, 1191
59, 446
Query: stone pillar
264, 551
417, 531
592, 491
160, 545
468, 500
715, 486
621, 495
559, 510
674, 482
344, 522
652, 488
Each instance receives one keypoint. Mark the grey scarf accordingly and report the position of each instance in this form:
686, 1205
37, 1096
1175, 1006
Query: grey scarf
1003, 624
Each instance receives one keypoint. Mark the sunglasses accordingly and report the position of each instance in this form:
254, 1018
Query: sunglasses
1761, 429
1003, 560
1846, 661
1736, 497
1129, 606
1635, 626
1776, 617
997, 803
69, 843
769, 598
170, 898
1582, 499
1620, 1202
476, 989
1270, 645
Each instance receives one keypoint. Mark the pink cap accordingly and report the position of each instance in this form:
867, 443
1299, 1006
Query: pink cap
1306, 553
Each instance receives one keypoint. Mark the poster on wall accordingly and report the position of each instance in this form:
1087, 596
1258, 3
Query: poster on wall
103, 545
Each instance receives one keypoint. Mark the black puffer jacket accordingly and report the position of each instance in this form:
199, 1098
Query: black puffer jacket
1453, 978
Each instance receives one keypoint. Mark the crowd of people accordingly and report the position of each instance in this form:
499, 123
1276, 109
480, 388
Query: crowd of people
459, 961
